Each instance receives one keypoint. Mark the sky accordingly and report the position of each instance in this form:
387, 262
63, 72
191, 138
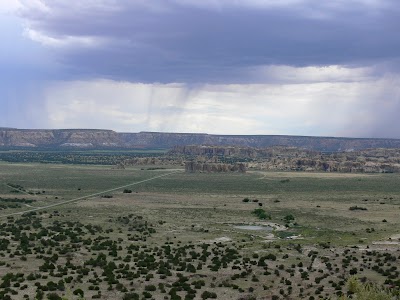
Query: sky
292, 67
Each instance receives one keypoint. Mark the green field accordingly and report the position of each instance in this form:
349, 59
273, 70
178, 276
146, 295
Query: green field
330, 226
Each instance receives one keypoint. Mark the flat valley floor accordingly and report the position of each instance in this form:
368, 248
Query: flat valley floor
259, 235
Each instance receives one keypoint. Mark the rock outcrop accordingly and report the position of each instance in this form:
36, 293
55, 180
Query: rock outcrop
93, 138
212, 159
152, 161
326, 144
194, 167
77, 138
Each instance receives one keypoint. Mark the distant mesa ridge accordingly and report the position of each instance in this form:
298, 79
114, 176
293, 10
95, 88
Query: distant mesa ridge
99, 138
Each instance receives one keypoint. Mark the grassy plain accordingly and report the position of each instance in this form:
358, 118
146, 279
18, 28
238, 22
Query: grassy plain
194, 209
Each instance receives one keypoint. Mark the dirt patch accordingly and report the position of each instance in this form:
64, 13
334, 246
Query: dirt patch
222, 239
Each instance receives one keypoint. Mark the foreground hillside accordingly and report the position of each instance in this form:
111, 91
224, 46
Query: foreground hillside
94, 138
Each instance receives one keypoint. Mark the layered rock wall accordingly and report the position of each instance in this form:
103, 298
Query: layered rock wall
94, 138
59, 138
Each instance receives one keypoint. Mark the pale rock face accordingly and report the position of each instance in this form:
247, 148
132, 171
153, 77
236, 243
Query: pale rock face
290, 159
228, 144
58, 138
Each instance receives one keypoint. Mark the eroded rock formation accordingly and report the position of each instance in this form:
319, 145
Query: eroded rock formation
193, 167
292, 159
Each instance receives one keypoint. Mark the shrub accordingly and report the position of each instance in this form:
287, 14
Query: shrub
53, 296
289, 218
357, 208
79, 292
367, 291
261, 214
150, 288
207, 295
131, 296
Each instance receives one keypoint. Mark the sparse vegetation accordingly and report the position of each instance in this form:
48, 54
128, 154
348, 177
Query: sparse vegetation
141, 246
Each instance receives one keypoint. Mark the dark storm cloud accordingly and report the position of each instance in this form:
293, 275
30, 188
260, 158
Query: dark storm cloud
171, 41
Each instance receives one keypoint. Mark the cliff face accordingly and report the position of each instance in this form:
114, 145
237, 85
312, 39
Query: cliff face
88, 138
212, 158
58, 138
330, 144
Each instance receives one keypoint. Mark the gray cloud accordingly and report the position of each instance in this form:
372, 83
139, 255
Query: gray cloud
24, 66
304, 67
216, 41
